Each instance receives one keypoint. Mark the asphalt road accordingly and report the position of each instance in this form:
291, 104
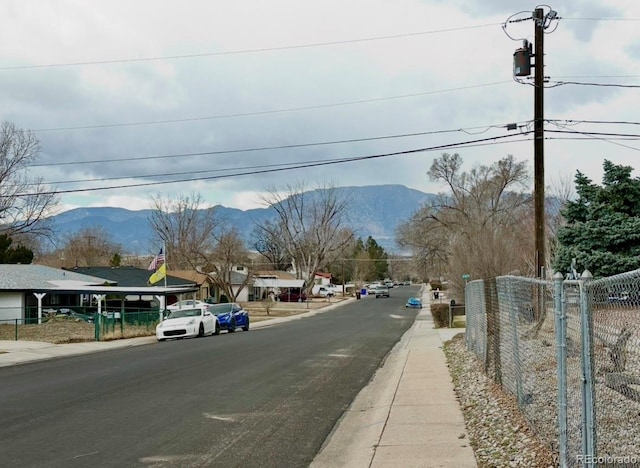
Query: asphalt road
265, 398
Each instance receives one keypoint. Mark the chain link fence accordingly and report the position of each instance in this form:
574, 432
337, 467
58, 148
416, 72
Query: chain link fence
569, 353
76, 325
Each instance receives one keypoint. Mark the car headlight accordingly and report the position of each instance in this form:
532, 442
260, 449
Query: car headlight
191, 322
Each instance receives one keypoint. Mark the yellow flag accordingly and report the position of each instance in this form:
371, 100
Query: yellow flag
159, 274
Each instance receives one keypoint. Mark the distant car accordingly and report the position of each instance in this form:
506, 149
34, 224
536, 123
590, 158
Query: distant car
389, 284
231, 316
323, 291
292, 295
414, 303
187, 304
185, 323
380, 291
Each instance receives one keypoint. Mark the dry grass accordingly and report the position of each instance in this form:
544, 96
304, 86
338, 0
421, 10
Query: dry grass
64, 330
61, 330
259, 311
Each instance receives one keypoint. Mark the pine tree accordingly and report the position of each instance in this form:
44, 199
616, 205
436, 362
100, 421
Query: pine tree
603, 224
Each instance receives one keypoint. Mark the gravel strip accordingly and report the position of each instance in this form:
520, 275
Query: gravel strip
498, 432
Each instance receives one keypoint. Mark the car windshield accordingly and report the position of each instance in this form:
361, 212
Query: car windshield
221, 309
180, 313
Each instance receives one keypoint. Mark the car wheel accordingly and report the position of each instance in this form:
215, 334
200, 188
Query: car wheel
216, 330
246, 327
232, 326
201, 330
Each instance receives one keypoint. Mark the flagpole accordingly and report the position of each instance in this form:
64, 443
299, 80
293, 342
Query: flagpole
164, 247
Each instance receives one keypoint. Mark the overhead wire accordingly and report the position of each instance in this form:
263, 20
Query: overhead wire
244, 51
272, 111
471, 143
484, 128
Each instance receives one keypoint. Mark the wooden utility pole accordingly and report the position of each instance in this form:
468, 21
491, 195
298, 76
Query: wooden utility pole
538, 164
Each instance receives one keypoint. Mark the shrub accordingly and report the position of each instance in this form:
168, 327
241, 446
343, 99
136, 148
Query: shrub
440, 314
435, 284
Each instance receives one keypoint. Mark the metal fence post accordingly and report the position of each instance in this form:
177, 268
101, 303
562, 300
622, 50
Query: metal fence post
588, 408
561, 346
513, 319
96, 326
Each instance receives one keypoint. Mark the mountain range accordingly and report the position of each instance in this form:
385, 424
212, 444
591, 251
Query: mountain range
374, 210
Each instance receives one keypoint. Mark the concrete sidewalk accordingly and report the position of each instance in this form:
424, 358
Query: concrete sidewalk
406, 416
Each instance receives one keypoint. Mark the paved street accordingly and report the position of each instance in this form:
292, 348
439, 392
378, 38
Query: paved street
268, 397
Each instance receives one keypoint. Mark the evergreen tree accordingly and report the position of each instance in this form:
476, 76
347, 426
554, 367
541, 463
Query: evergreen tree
20, 254
603, 224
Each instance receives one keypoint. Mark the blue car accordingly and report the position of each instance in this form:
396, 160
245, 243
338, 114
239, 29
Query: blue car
231, 316
414, 303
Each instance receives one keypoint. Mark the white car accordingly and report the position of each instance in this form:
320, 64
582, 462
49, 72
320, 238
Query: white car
323, 291
183, 323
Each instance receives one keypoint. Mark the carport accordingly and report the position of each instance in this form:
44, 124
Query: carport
267, 285
105, 322
99, 293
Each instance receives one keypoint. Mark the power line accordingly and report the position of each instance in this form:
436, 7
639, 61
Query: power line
557, 122
601, 19
467, 144
272, 111
610, 85
244, 51
468, 131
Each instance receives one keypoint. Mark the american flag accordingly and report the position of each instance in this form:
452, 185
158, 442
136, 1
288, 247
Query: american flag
157, 261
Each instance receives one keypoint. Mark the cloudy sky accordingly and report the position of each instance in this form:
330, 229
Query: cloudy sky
230, 99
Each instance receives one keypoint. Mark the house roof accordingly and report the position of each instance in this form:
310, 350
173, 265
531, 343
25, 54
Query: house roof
39, 277
279, 274
235, 277
192, 276
129, 276
324, 275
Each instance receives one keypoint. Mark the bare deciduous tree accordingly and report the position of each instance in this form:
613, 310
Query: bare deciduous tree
270, 245
310, 225
479, 226
25, 202
185, 227
229, 253
90, 246
196, 239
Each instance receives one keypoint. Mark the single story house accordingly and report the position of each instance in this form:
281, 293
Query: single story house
27, 290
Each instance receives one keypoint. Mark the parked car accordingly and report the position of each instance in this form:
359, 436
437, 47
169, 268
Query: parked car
414, 303
231, 316
380, 291
292, 295
323, 291
184, 323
